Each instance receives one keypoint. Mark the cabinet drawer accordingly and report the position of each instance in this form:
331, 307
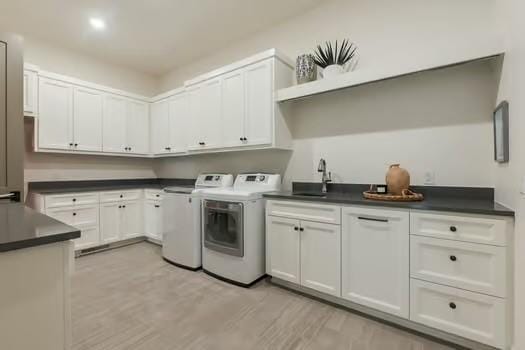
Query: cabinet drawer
471, 315
71, 199
468, 228
75, 216
329, 214
153, 194
64, 215
115, 196
476, 267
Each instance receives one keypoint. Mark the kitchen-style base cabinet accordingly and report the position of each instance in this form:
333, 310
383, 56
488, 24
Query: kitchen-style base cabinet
153, 219
304, 252
375, 249
451, 272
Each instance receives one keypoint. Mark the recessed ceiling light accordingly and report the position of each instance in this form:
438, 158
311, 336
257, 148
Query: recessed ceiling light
97, 23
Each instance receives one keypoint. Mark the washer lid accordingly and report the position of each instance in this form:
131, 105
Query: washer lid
180, 190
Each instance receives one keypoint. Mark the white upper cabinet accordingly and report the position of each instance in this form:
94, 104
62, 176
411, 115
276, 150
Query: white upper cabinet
178, 113
259, 117
87, 119
160, 133
375, 259
30, 92
205, 115
233, 109
137, 126
114, 126
55, 122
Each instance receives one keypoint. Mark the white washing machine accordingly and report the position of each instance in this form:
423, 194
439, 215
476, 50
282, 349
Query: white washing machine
233, 229
182, 243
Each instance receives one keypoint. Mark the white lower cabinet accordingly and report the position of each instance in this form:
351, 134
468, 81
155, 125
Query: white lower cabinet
375, 259
120, 220
305, 252
284, 247
475, 316
448, 271
84, 217
153, 219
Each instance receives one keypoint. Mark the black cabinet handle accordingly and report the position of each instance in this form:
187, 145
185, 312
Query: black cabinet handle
71, 144
157, 206
301, 229
74, 214
244, 139
372, 219
76, 144
157, 195
121, 196
120, 206
123, 206
202, 143
453, 228
296, 228
74, 199
452, 306
453, 258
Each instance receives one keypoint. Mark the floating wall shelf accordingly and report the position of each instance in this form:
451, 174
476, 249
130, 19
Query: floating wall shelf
366, 76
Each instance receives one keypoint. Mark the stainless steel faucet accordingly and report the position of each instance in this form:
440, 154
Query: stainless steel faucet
326, 177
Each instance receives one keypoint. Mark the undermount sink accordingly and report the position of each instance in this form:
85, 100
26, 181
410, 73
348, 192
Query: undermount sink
310, 194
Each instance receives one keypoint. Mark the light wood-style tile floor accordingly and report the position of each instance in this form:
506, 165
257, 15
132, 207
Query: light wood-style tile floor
129, 298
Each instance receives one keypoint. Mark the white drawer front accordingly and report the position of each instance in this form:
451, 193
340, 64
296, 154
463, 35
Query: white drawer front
64, 215
115, 196
70, 199
329, 214
475, 267
471, 315
85, 216
476, 229
153, 194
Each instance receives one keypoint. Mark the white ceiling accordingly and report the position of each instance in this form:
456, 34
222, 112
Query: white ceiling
152, 36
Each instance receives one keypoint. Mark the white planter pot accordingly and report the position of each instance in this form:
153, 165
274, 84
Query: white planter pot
333, 70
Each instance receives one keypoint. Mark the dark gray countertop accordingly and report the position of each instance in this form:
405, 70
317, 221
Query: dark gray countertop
58, 187
439, 199
22, 227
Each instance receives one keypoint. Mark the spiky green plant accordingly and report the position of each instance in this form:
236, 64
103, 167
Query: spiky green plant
329, 55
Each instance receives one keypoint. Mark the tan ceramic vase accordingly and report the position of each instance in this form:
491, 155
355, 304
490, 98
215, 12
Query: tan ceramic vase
397, 179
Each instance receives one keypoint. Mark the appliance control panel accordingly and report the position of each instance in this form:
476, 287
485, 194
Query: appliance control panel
214, 180
258, 182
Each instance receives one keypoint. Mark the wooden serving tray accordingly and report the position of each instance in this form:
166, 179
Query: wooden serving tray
406, 196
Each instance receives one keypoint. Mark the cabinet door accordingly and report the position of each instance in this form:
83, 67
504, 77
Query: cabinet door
153, 219
30, 93
375, 255
110, 222
205, 115
55, 122
194, 111
178, 114
160, 127
131, 220
138, 127
321, 257
259, 104
114, 124
283, 246
87, 119
233, 109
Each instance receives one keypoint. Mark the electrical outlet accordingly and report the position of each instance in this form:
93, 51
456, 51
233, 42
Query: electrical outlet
430, 178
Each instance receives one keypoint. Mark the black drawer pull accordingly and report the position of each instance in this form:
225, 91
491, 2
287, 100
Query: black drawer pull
121, 196
296, 228
301, 229
453, 258
120, 206
453, 228
157, 206
74, 199
452, 306
74, 214
372, 219
123, 206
